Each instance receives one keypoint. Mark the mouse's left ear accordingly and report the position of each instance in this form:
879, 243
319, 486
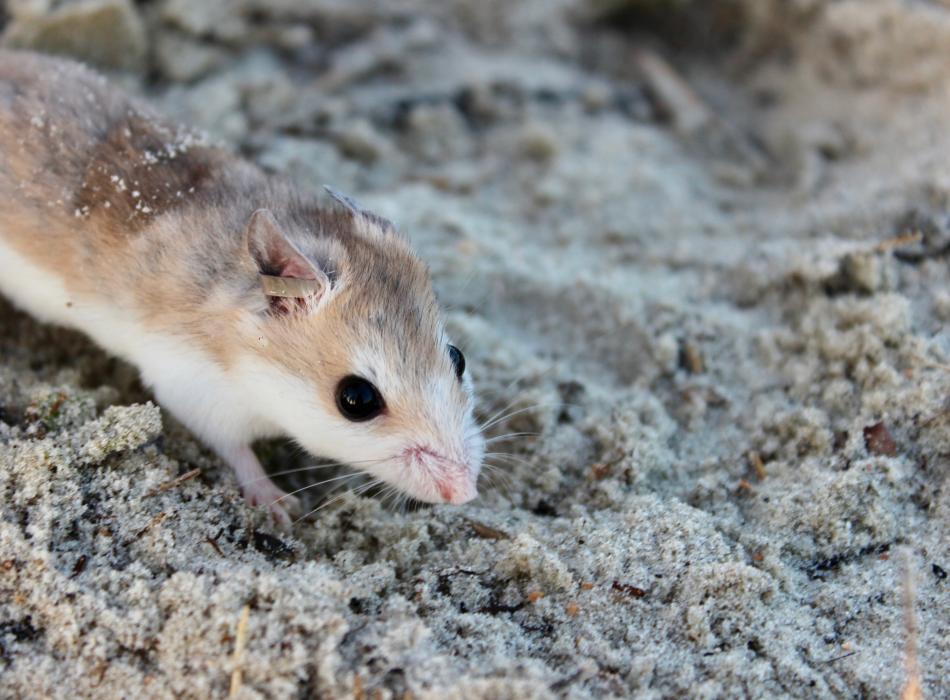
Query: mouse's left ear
291, 282
348, 203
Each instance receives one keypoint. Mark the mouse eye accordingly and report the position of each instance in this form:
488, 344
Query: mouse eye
357, 399
458, 359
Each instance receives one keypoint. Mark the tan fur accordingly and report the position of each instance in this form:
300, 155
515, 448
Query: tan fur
129, 208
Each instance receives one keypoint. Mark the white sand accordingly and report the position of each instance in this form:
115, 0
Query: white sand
662, 301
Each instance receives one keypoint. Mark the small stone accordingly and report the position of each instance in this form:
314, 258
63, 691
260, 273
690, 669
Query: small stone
537, 142
878, 440
216, 18
185, 60
105, 33
361, 142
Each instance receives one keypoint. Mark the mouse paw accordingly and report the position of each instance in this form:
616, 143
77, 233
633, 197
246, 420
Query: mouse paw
281, 507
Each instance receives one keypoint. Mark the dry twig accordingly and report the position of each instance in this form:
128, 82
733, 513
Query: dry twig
912, 687
240, 640
174, 482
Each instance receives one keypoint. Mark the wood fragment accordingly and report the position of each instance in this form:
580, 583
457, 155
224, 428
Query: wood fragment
691, 359
571, 609
758, 466
899, 241
878, 440
79, 566
358, 693
237, 679
677, 100
838, 658
151, 523
534, 596
912, 685
214, 545
174, 482
486, 532
586, 585
628, 590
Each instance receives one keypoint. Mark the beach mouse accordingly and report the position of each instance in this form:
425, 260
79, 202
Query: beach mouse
250, 308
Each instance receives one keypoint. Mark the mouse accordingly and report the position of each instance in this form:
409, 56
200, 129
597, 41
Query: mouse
252, 308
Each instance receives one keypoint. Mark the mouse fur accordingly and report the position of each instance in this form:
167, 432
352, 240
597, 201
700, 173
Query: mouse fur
152, 240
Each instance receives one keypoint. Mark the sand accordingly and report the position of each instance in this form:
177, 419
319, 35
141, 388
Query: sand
720, 303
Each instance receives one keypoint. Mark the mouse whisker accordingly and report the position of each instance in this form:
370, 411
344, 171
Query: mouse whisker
314, 467
506, 390
512, 414
509, 436
499, 412
495, 471
356, 492
508, 456
318, 483
499, 479
500, 416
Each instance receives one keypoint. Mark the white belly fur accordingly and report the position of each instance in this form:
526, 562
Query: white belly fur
185, 380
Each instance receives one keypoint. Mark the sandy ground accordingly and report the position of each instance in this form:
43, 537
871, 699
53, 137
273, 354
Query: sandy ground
720, 301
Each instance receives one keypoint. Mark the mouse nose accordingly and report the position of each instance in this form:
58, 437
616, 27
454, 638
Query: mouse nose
461, 491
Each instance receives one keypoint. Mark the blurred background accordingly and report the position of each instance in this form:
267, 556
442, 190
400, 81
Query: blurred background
697, 249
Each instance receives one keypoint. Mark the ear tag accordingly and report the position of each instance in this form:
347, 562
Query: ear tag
289, 287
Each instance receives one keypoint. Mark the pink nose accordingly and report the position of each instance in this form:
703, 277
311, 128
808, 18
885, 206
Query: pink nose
459, 491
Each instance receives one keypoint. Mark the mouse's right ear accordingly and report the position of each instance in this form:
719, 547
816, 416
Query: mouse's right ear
291, 282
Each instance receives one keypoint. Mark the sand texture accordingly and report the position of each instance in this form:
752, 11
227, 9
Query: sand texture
699, 250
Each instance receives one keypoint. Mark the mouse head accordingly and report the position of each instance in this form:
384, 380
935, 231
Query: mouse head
352, 358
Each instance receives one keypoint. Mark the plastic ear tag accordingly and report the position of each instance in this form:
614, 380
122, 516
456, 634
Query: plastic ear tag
289, 287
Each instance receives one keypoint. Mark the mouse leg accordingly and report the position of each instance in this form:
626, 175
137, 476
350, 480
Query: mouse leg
257, 487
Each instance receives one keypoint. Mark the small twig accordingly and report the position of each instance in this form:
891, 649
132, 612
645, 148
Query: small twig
758, 466
838, 658
174, 482
151, 523
214, 545
912, 688
240, 640
488, 533
686, 109
899, 241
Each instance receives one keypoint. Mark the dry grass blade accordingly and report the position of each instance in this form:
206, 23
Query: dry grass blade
912, 686
907, 238
174, 482
487, 532
240, 640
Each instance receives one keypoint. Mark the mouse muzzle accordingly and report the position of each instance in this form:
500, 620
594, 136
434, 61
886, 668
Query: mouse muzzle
437, 477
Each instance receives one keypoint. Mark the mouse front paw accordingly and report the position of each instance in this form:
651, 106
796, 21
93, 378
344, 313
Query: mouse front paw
281, 507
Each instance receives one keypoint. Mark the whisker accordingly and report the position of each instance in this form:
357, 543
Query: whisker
319, 483
498, 478
509, 436
357, 491
499, 419
499, 411
493, 471
314, 467
545, 404
509, 456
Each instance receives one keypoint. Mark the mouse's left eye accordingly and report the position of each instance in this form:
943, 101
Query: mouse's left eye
357, 399
458, 360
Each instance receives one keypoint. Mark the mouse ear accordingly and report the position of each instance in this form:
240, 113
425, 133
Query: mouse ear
356, 210
290, 281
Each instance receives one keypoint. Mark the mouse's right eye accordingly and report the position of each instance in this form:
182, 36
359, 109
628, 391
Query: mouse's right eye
358, 399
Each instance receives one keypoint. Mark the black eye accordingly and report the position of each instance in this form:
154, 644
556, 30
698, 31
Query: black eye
357, 399
458, 359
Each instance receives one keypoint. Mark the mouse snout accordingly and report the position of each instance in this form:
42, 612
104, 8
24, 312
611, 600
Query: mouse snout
461, 491
440, 478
